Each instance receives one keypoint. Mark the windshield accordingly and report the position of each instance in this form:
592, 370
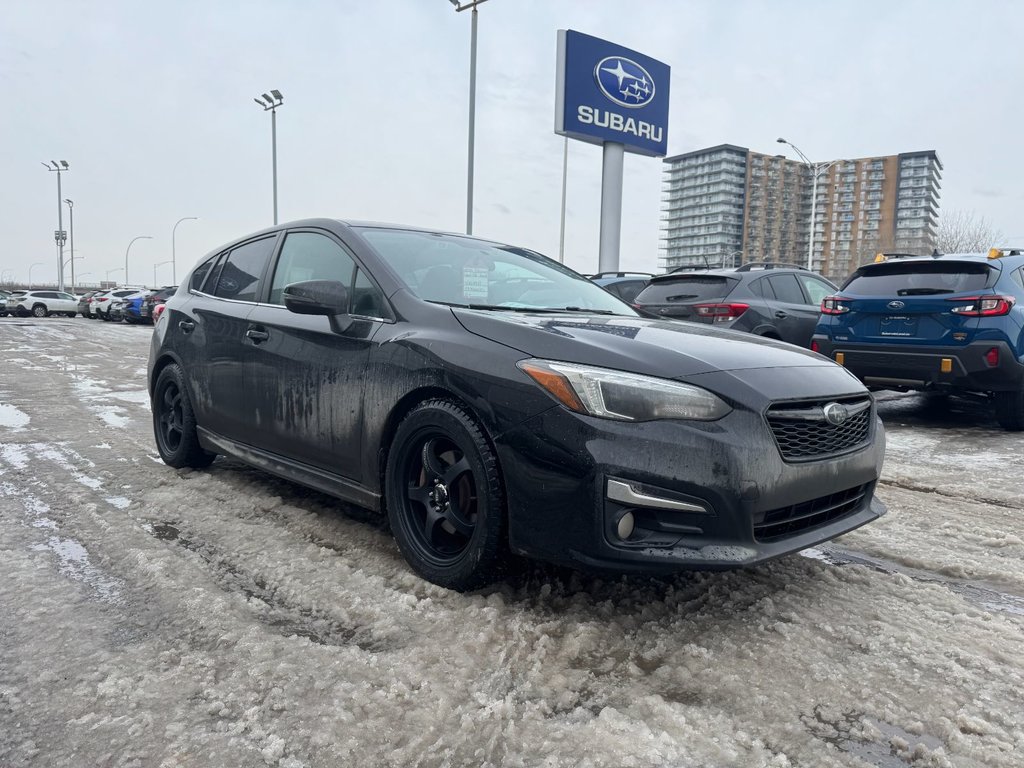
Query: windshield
696, 287
463, 271
919, 278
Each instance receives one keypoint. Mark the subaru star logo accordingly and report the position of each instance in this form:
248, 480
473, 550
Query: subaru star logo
836, 414
896, 305
624, 81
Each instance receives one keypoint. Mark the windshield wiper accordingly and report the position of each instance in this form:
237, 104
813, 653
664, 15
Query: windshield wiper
585, 310
545, 310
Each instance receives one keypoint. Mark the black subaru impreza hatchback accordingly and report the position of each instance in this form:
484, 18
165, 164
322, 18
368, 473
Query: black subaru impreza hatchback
491, 401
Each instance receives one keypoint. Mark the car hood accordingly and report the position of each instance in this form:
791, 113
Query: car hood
669, 349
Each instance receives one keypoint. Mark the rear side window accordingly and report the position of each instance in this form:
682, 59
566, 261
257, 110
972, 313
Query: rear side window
200, 273
693, 288
919, 278
239, 278
786, 289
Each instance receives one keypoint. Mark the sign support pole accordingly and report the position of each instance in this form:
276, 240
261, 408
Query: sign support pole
611, 206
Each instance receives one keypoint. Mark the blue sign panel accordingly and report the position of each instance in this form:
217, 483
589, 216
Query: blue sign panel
605, 92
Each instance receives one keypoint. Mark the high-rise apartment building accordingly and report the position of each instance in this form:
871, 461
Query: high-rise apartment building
727, 205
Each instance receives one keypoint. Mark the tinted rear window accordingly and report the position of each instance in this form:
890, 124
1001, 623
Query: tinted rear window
692, 288
918, 278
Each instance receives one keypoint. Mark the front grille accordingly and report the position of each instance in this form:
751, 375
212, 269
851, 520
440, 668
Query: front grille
803, 432
797, 518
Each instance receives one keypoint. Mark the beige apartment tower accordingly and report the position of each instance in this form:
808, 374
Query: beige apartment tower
727, 205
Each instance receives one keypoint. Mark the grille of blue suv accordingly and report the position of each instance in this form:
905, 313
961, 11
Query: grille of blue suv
797, 518
804, 432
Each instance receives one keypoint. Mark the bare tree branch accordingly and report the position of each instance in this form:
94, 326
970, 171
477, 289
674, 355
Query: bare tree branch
963, 231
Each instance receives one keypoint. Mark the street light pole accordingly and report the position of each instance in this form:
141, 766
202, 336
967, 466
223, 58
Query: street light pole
112, 271
459, 7
140, 237
71, 226
53, 165
817, 170
174, 261
37, 264
160, 264
270, 102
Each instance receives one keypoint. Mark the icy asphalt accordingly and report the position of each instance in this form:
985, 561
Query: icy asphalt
154, 617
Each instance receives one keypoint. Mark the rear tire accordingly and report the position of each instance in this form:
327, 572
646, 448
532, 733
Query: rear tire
39, 310
444, 497
1010, 410
174, 422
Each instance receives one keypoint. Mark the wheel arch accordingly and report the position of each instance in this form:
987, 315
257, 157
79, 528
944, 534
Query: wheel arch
403, 407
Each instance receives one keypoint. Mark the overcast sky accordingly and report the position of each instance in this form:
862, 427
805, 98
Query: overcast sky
151, 104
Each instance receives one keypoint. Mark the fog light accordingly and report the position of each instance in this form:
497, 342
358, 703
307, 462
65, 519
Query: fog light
624, 528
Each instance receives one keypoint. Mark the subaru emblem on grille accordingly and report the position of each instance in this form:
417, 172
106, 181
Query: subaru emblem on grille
896, 305
836, 413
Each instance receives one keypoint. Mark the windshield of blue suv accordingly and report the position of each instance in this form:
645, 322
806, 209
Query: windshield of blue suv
919, 278
463, 271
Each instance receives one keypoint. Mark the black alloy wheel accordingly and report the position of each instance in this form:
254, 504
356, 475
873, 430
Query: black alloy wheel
444, 497
174, 422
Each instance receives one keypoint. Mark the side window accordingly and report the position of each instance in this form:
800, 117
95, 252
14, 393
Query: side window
816, 289
367, 300
200, 274
1018, 276
239, 277
67, 297
47, 294
761, 288
310, 256
786, 289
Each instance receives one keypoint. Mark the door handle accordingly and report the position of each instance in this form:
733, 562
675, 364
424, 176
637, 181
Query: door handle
257, 336
781, 315
187, 326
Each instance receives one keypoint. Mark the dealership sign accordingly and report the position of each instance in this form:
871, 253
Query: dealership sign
607, 93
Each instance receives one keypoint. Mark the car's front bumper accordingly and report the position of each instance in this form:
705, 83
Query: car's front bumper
702, 495
928, 367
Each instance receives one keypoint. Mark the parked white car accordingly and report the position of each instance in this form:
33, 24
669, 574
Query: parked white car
43, 304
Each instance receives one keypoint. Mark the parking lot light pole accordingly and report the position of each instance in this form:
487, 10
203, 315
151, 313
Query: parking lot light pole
817, 170
140, 237
174, 257
71, 228
53, 165
270, 102
37, 264
159, 264
459, 7
112, 271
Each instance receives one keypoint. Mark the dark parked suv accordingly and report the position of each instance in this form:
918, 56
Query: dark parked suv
489, 400
625, 285
951, 323
770, 299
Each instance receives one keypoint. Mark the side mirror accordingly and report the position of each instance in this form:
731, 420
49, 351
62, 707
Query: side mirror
317, 297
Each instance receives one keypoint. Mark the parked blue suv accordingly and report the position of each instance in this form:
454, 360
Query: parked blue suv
952, 323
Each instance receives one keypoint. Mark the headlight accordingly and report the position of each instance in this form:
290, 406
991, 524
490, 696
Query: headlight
622, 396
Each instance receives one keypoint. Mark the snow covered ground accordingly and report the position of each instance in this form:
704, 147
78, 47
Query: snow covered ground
154, 617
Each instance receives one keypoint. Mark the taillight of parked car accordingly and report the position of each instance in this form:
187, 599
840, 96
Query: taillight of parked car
834, 305
720, 313
158, 312
982, 306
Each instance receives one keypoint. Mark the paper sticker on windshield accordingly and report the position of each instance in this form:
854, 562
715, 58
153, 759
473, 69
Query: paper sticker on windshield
474, 282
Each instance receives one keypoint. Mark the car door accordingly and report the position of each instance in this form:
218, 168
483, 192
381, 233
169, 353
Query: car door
67, 302
792, 311
211, 337
307, 379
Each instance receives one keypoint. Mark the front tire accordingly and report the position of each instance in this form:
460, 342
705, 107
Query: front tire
1010, 410
174, 422
444, 497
